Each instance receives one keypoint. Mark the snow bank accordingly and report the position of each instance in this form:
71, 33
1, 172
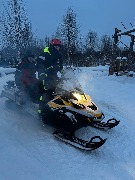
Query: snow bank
114, 92
95, 68
4, 71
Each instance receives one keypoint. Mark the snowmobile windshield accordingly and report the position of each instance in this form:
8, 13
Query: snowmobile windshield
69, 84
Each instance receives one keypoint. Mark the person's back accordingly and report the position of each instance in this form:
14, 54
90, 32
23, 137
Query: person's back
25, 71
25, 77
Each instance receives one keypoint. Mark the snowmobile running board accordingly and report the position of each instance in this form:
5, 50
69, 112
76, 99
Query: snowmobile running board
94, 143
111, 123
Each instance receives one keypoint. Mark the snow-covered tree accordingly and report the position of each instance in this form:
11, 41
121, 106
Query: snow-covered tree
16, 29
91, 41
106, 44
69, 32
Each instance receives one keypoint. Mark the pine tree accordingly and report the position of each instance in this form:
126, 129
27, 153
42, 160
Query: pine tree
91, 41
106, 46
16, 29
69, 33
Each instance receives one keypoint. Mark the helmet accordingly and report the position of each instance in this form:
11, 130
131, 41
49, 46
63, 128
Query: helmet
55, 42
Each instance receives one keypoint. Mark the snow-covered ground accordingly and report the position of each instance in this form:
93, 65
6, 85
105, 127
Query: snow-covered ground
29, 151
4, 71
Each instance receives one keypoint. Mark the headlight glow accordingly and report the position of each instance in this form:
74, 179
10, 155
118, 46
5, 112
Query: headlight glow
78, 96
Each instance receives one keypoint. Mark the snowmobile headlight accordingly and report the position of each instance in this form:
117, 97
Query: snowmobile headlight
77, 95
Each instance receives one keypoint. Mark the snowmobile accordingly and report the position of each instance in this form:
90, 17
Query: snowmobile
69, 110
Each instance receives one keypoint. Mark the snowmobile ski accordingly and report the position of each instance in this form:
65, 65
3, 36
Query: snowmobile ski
111, 123
94, 143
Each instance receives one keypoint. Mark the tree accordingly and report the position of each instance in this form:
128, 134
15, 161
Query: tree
106, 46
69, 33
91, 41
16, 29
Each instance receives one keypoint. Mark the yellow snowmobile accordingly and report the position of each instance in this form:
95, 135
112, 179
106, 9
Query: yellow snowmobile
69, 110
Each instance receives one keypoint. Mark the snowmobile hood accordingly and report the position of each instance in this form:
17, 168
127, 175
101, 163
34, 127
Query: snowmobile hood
69, 94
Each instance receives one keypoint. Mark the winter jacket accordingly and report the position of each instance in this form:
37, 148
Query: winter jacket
50, 63
47, 66
25, 73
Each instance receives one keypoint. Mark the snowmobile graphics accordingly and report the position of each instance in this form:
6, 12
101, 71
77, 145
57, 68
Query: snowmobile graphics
69, 110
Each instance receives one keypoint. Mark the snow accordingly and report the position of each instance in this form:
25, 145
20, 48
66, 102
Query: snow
29, 151
124, 58
4, 71
118, 58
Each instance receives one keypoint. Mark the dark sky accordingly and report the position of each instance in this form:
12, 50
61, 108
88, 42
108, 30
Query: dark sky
101, 16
